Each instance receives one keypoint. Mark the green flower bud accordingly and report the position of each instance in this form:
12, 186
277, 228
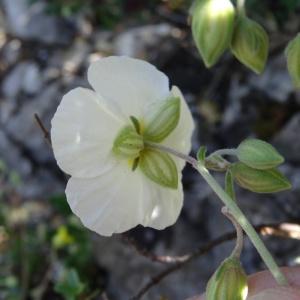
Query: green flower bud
258, 154
292, 53
259, 181
229, 282
212, 28
128, 143
162, 121
250, 44
159, 167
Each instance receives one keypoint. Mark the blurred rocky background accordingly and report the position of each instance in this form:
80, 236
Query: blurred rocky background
45, 49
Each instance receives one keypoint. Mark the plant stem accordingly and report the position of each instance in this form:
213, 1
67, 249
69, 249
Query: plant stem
245, 224
234, 211
223, 152
239, 233
241, 7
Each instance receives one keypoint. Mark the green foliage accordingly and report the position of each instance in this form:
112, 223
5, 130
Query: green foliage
201, 154
292, 53
60, 204
229, 185
69, 285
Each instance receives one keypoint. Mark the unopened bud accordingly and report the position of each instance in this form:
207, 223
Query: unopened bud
212, 28
258, 154
259, 181
292, 54
229, 282
250, 44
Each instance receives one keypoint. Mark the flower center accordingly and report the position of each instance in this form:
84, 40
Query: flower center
129, 143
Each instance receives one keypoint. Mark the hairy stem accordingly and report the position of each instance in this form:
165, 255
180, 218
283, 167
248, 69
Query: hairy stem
234, 211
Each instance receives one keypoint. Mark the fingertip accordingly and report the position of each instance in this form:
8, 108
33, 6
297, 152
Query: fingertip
280, 293
264, 280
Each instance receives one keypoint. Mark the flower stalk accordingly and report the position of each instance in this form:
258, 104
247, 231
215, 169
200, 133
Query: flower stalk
234, 210
241, 7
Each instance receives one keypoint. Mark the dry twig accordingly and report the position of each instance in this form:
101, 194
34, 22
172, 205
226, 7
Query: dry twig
43, 129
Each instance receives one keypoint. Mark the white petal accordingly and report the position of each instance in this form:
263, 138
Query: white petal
121, 199
128, 84
109, 203
82, 134
166, 204
181, 138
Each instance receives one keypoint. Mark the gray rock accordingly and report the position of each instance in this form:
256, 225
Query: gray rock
32, 81
136, 41
30, 22
12, 83
23, 127
287, 141
11, 52
275, 80
24, 77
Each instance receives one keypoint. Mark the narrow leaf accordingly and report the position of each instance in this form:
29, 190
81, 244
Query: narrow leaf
136, 124
201, 154
229, 185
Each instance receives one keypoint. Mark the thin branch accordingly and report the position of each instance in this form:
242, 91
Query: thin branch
43, 129
286, 230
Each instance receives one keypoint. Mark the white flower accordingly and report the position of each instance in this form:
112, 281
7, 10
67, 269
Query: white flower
103, 191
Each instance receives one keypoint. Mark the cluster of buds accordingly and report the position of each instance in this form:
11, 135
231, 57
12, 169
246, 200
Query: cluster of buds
257, 167
217, 26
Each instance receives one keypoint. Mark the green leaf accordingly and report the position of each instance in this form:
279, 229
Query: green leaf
292, 54
159, 167
201, 154
258, 154
161, 122
250, 44
136, 124
259, 181
60, 204
69, 286
229, 185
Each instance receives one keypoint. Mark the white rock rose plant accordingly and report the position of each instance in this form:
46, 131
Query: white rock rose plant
125, 142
